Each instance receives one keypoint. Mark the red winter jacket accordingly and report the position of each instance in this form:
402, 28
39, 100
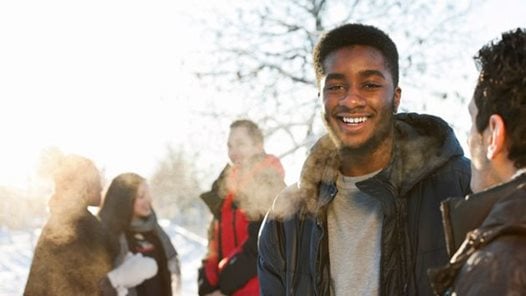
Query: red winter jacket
231, 263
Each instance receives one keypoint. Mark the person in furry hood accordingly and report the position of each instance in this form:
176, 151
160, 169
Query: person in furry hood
364, 217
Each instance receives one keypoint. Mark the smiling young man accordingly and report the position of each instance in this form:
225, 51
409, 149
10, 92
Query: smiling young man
364, 219
491, 259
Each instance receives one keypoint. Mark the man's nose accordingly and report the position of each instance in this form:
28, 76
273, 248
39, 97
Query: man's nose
352, 98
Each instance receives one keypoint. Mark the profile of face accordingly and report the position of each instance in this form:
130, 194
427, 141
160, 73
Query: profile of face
359, 97
482, 173
241, 146
142, 206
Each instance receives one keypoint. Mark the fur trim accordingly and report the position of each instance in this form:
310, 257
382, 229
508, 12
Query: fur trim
423, 143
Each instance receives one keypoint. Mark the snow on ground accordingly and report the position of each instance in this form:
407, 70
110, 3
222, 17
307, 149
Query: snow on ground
16, 251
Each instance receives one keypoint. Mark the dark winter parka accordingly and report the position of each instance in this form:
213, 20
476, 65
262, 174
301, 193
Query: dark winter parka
426, 167
491, 259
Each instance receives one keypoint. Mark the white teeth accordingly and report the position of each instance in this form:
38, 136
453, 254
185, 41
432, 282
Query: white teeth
354, 120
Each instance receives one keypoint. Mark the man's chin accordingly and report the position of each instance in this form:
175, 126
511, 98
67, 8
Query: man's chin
346, 144
356, 147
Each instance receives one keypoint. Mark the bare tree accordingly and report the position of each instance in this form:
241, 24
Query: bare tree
175, 190
262, 52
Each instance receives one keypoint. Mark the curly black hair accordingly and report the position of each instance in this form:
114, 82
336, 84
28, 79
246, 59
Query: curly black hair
501, 89
355, 34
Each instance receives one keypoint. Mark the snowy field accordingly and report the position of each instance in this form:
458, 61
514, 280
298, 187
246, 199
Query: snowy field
16, 251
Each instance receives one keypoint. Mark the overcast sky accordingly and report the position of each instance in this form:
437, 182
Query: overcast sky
106, 79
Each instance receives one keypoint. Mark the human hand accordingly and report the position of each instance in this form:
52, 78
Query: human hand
133, 271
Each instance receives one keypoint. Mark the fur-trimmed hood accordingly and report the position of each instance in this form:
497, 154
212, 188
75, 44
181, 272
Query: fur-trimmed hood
423, 143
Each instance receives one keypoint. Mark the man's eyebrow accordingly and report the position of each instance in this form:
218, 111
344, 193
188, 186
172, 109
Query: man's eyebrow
334, 76
363, 74
368, 73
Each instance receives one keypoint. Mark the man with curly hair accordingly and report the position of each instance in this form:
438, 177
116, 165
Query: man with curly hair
488, 229
364, 218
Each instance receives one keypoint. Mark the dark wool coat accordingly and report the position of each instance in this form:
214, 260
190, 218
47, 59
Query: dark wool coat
72, 256
427, 166
491, 259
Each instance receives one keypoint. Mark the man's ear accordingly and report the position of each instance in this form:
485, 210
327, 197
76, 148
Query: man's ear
396, 99
497, 136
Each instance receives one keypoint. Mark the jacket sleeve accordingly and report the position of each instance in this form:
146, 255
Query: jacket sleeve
203, 283
207, 277
236, 270
270, 265
106, 289
498, 269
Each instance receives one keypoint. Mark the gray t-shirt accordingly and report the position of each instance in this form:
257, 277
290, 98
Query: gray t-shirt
355, 232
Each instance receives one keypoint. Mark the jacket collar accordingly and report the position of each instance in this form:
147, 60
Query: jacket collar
474, 222
423, 143
494, 206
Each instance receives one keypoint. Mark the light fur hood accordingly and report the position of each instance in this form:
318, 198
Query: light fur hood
423, 143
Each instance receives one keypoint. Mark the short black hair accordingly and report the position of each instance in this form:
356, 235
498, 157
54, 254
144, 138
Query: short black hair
355, 34
253, 129
501, 89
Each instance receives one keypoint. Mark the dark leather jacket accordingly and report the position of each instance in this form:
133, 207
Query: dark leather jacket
427, 166
491, 260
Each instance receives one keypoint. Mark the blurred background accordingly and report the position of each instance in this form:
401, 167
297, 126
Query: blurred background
151, 87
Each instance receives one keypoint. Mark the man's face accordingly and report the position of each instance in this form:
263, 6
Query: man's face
482, 173
359, 97
241, 147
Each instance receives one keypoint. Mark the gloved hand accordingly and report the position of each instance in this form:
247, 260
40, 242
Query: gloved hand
133, 271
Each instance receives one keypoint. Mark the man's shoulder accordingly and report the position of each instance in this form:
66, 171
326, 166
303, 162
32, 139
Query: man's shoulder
287, 204
453, 177
497, 269
457, 165
288, 212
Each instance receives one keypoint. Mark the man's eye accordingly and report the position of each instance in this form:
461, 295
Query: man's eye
335, 87
370, 85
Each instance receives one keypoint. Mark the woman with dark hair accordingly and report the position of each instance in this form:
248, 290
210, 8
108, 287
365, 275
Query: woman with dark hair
128, 215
